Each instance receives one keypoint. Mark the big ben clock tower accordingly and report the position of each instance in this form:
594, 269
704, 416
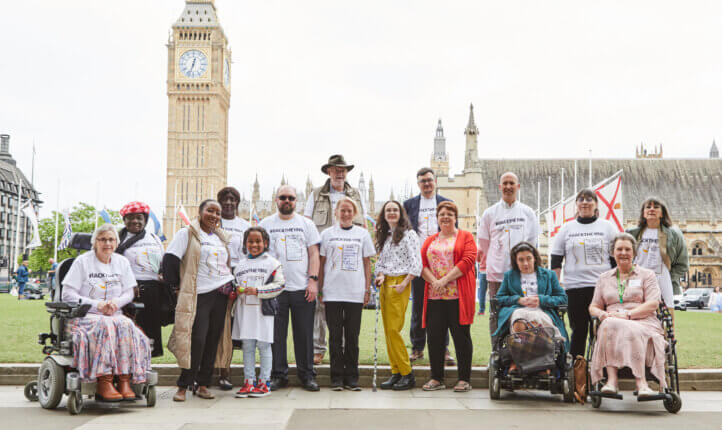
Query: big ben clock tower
199, 96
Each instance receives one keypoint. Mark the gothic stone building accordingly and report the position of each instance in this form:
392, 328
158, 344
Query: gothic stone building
691, 188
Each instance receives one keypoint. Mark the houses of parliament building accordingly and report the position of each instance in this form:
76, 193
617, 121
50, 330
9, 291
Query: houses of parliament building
199, 96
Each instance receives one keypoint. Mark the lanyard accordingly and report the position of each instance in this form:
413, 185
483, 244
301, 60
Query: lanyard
621, 287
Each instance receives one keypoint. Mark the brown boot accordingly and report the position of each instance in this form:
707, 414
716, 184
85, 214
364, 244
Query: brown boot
124, 387
105, 391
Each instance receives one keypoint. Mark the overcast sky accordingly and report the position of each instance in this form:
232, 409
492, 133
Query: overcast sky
85, 80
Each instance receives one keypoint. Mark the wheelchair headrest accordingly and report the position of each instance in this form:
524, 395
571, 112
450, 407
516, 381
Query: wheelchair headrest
81, 241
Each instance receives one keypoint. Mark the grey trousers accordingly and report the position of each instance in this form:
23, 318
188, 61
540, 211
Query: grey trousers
319, 328
493, 288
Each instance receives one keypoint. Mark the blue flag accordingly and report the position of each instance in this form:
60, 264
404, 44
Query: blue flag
157, 231
106, 216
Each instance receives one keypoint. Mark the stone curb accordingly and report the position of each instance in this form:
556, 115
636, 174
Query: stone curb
689, 379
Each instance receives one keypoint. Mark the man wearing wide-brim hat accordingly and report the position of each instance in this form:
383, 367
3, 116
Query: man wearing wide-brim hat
320, 206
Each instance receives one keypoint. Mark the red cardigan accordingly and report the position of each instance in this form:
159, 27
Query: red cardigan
464, 259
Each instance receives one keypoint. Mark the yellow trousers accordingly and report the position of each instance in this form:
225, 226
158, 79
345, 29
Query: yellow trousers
393, 312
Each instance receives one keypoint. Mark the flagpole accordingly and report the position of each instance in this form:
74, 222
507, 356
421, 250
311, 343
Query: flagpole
17, 223
549, 194
57, 209
538, 198
175, 204
32, 171
575, 177
97, 204
590, 168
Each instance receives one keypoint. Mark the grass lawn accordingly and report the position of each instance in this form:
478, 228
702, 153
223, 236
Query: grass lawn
23, 320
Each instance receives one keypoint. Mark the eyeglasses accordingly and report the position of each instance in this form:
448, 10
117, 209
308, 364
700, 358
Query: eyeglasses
426, 181
284, 198
588, 199
106, 239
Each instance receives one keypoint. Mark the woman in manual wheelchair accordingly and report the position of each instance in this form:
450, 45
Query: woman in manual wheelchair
105, 342
529, 305
627, 332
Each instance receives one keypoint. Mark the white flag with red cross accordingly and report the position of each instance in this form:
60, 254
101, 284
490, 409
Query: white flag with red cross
183, 215
609, 194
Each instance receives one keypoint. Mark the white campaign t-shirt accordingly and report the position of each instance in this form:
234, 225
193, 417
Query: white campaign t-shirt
290, 240
91, 281
344, 279
235, 228
585, 248
145, 256
504, 226
529, 285
213, 270
649, 257
334, 196
428, 224
248, 321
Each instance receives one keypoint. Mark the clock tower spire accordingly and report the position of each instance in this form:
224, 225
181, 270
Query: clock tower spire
199, 94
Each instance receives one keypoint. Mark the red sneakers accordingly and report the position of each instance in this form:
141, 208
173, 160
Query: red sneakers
245, 390
260, 390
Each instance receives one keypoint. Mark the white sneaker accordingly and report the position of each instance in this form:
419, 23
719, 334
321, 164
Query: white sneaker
646, 392
609, 389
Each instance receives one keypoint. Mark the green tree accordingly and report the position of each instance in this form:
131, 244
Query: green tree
81, 219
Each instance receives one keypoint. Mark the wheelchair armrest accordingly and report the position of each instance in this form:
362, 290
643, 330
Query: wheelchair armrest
68, 309
595, 325
494, 305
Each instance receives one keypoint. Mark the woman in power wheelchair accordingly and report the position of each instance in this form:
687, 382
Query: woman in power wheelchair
534, 354
627, 333
91, 340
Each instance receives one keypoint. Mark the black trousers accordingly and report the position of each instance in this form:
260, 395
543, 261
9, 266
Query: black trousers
207, 331
417, 333
344, 324
442, 316
149, 319
579, 319
302, 313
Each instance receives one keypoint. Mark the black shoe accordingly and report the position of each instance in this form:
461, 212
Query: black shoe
336, 386
224, 384
351, 386
278, 383
387, 385
310, 385
406, 382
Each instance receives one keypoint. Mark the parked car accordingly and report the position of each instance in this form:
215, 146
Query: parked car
680, 304
697, 297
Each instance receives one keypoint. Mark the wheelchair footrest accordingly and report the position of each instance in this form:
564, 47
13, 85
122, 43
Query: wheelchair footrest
660, 396
606, 395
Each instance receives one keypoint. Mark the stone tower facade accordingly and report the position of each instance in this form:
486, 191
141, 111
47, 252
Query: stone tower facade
713, 151
372, 196
440, 158
198, 86
471, 154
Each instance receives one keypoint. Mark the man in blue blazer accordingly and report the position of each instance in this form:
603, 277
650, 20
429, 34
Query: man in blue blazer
422, 214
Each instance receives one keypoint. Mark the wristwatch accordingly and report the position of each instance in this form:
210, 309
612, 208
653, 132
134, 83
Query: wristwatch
314, 277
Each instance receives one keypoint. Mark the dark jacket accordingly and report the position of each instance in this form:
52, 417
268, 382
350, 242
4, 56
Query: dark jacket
412, 209
551, 294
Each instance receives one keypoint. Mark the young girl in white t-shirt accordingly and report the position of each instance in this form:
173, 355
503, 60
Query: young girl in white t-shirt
260, 280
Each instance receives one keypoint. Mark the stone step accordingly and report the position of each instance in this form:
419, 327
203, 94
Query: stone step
689, 379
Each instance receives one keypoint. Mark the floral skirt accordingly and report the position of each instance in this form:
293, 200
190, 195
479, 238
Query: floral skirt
109, 345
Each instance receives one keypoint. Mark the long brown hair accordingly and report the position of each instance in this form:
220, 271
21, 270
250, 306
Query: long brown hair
521, 247
383, 228
665, 220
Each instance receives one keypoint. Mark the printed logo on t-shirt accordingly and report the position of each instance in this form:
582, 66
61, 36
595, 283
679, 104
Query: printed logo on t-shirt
102, 283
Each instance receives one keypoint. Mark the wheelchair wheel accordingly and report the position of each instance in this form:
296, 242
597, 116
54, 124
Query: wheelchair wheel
75, 402
494, 381
674, 404
568, 387
51, 384
31, 391
150, 397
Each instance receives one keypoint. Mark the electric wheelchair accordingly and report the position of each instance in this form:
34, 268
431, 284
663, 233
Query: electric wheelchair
670, 397
56, 375
553, 357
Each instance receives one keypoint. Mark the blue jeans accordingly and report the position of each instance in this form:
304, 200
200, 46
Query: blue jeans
481, 290
21, 288
249, 360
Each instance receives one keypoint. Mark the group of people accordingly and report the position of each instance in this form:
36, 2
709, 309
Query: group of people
236, 285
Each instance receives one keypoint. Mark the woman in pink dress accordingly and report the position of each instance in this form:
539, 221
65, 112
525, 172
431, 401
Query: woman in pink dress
630, 335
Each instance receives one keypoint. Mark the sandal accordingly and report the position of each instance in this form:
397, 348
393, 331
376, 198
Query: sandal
462, 387
433, 385
204, 393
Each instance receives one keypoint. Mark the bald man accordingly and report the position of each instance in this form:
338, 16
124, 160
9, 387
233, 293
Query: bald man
502, 226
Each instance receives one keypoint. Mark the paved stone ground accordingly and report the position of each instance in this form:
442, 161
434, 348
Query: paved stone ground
297, 409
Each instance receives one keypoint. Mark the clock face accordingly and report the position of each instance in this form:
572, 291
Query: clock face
227, 73
193, 63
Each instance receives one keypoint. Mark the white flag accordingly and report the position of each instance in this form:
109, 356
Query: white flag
29, 212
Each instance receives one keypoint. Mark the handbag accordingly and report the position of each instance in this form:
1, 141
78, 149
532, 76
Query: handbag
532, 350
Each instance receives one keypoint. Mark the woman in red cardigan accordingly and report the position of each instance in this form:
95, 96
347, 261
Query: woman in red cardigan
448, 258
